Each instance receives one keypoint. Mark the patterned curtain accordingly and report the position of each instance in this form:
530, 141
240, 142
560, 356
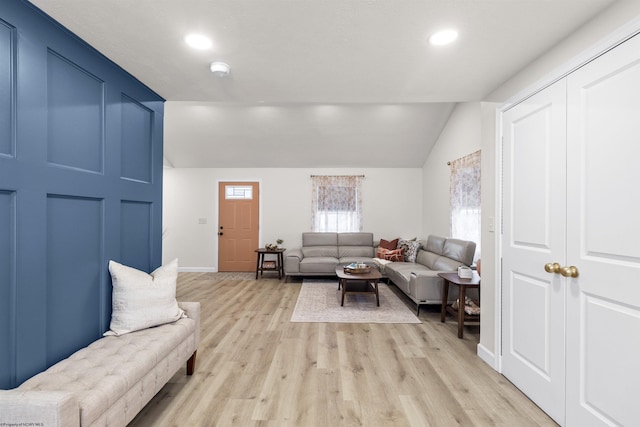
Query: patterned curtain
465, 199
336, 203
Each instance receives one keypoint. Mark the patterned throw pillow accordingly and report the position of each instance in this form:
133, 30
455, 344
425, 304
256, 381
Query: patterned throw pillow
410, 248
394, 255
389, 255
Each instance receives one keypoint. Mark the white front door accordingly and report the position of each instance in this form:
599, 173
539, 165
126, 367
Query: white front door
603, 240
533, 301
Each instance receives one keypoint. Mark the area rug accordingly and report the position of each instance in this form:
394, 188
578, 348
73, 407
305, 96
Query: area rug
319, 301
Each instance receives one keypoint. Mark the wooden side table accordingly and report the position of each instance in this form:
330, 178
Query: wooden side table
463, 284
279, 263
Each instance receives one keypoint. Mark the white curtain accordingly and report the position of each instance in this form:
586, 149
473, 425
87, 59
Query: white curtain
465, 199
336, 203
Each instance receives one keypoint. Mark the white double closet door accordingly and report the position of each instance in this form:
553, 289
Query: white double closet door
571, 196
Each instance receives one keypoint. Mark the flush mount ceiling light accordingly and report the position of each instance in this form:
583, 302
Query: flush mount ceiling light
220, 69
443, 37
198, 41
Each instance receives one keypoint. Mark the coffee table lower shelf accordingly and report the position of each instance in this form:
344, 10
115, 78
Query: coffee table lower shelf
366, 283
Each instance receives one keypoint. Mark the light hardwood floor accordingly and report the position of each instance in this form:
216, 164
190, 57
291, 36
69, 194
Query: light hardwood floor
255, 368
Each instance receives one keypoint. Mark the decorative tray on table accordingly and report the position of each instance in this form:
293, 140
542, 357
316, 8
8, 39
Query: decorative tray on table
354, 268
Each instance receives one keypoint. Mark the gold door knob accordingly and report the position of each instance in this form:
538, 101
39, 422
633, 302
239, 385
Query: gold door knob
552, 267
570, 271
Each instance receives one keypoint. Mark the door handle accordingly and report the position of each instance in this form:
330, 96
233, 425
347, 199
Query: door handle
570, 271
552, 267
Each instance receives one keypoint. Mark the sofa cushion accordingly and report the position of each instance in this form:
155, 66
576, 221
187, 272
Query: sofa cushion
319, 265
427, 259
319, 239
142, 300
459, 250
355, 239
435, 244
446, 264
358, 260
355, 251
319, 251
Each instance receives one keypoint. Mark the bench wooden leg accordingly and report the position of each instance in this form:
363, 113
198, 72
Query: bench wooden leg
191, 363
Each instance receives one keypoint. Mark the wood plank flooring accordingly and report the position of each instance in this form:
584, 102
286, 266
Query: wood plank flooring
255, 368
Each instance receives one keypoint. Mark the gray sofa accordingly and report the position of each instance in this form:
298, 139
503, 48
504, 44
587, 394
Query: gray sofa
419, 280
108, 382
322, 252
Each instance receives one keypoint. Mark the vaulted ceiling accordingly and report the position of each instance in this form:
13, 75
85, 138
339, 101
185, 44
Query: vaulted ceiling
317, 83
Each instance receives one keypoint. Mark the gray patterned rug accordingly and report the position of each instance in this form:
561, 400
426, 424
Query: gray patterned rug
319, 301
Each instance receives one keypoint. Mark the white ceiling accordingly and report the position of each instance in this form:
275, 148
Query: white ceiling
317, 83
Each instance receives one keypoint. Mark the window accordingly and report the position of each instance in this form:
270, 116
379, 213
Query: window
238, 192
336, 203
465, 199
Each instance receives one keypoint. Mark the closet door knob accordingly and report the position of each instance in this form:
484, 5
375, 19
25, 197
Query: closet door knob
552, 267
570, 271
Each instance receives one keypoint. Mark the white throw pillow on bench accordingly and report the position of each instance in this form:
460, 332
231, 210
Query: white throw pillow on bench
141, 300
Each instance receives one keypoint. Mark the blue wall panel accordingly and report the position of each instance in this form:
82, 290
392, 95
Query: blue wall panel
80, 184
136, 234
74, 273
7, 284
6, 88
137, 138
75, 105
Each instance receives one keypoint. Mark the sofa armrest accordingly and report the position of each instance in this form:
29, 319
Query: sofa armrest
36, 407
426, 278
193, 312
292, 261
426, 285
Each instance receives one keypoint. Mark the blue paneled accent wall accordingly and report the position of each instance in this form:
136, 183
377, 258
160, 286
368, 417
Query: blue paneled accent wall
7, 55
80, 184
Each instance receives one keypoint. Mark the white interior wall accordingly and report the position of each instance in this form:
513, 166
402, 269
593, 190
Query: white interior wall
392, 207
488, 339
601, 27
460, 137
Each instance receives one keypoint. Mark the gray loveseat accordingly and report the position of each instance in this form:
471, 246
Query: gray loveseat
322, 252
419, 280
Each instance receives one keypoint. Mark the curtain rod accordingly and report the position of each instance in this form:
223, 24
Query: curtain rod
468, 155
316, 176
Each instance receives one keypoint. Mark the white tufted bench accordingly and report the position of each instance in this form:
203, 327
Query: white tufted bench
108, 382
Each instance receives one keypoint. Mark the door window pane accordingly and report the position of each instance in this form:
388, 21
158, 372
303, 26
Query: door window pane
239, 192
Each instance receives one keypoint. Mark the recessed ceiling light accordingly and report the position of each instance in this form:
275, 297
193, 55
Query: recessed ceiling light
198, 41
220, 69
444, 37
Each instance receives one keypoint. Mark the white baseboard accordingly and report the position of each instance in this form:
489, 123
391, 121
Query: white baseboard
197, 269
487, 356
